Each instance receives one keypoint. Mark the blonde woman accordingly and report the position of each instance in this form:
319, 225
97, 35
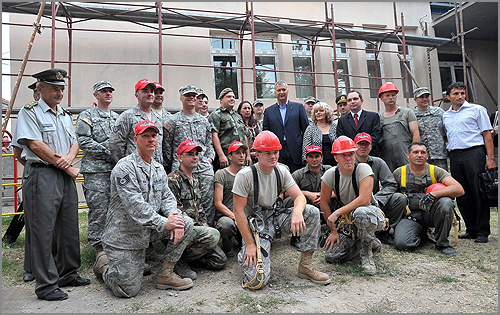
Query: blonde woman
321, 132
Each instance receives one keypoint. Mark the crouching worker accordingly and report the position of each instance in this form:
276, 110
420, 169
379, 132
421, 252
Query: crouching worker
428, 209
359, 216
142, 209
259, 214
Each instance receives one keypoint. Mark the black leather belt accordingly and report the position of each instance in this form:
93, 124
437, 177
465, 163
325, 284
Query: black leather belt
467, 149
42, 165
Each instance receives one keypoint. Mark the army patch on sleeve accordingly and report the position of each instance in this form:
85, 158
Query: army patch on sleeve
87, 121
167, 126
124, 180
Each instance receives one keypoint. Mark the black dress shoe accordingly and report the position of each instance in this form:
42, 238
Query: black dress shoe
295, 241
386, 238
481, 239
77, 282
28, 276
56, 295
447, 250
467, 236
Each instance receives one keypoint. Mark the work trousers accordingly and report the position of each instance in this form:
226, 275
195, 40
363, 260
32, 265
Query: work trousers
466, 165
126, 266
51, 211
227, 229
409, 232
394, 208
282, 222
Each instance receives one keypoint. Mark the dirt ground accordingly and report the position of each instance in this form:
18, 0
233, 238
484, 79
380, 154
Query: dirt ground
407, 282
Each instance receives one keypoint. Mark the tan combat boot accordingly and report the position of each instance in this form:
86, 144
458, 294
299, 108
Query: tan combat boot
376, 246
168, 279
307, 270
101, 263
367, 262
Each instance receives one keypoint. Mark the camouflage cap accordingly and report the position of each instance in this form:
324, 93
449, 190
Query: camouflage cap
310, 99
99, 85
421, 91
188, 89
224, 92
52, 76
258, 102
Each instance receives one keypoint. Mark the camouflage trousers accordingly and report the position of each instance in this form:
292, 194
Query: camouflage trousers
124, 273
97, 191
282, 222
203, 250
442, 163
367, 221
206, 179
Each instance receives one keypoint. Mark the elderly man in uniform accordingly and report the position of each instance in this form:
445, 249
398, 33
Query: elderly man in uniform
202, 103
121, 140
308, 106
384, 186
259, 222
203, 249
93, 128
342, 108
142, 210
45, 132
430, 127
352, 184
433, 208
227, 127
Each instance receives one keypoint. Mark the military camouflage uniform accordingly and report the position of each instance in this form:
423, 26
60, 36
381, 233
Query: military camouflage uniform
430, 126
121, 140
140, 204
180, 127
229, 127
203, 247
93, 128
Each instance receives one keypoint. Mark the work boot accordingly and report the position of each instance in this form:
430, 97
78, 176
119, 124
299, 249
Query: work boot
100, 264
308, 271
168, 279
376, 246
367, 262
183, 270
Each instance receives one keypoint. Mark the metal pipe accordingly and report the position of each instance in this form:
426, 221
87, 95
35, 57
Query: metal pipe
252, 26
404, 60
53, 36
335, 73
160, 43
462, 40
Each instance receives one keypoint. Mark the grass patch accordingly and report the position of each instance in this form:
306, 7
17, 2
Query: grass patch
244, 303
446, 279
169, 309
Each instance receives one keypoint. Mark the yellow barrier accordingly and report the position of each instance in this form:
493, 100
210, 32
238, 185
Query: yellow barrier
22, 212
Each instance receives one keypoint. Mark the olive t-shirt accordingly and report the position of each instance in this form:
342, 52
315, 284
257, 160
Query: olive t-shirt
226, 179
438, 172
243, 185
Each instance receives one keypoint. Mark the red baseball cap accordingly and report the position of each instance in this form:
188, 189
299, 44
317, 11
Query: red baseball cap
143, 125
313, 148
187, 145
235, 146
158, 86
141, 84
363, 136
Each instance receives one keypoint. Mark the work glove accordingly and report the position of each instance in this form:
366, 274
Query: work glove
426, 202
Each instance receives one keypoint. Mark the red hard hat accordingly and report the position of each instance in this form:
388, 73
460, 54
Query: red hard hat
386, 87
343, 144
435, 187
266, 141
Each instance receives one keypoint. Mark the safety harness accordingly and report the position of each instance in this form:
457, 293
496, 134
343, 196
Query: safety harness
345, 224
259, 225
404, 190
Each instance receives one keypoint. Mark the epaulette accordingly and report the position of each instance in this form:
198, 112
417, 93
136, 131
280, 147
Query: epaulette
31, 104
66, 111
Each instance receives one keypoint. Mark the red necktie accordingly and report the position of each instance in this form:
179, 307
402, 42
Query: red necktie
356, 119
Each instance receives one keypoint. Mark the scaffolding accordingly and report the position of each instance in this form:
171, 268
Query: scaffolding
160, 19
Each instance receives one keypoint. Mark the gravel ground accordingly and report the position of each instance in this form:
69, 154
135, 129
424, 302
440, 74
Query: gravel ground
407, 282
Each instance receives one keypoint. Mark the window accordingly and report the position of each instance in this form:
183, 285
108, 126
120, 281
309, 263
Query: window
343, 80
374, 69
409, 64
302, 61
265, 59
225, 54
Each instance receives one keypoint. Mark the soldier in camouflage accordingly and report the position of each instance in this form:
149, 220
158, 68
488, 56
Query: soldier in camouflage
203, 249
430, 125
93, 127
227, 126
158, 102
121, 140
187, 124
142, 210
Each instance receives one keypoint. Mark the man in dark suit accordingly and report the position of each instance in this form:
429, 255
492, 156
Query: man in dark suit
359, 120
287, 120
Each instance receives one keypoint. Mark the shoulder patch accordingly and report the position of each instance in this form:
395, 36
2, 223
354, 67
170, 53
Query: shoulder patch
124, 180
167, 126
88, 121
31, 104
